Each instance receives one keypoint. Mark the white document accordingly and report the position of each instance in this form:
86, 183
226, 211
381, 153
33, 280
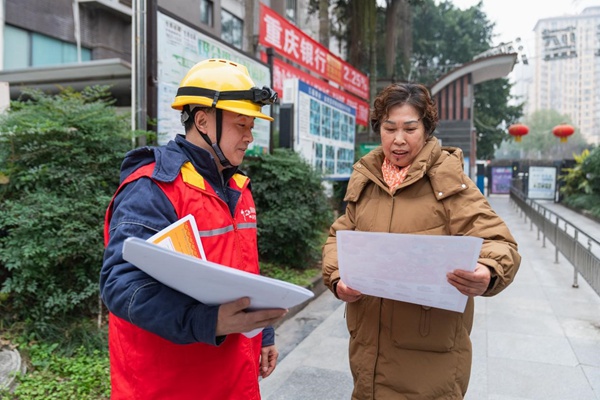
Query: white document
211, 283
409, 268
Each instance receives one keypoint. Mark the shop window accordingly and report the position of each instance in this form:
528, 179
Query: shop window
231, 29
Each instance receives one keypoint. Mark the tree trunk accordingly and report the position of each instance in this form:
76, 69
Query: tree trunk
362, 39
249, 32
392, 29
324, 23
398, 23
372, 47
357, 32
406, 38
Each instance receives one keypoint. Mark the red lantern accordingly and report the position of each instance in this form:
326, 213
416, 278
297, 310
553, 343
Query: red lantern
563, 131
518, 130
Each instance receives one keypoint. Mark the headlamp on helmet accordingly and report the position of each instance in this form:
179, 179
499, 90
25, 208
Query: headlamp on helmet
262, 97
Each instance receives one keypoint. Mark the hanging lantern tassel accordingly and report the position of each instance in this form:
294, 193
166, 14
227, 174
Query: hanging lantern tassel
563, 131
518, 131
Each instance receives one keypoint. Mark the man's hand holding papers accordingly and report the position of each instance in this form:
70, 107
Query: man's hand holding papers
175, 257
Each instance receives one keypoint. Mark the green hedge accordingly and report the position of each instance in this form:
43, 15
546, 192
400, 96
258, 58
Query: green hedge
293, 211
59, 162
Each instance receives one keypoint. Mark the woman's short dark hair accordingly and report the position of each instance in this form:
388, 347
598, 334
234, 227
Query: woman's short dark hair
398, 94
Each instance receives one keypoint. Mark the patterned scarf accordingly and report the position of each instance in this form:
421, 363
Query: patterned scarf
392, 174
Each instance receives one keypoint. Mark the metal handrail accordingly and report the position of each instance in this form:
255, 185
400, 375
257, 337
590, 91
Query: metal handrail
578, 247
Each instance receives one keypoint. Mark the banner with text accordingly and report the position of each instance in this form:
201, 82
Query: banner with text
289, 41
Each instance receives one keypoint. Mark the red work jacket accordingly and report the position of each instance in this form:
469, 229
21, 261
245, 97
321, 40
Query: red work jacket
146, 366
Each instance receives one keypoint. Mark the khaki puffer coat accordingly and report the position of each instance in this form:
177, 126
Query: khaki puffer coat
407, 351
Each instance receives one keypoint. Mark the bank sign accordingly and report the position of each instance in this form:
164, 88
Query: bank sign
324, 129
289, 41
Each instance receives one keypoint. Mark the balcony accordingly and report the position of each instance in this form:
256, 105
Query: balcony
113, 6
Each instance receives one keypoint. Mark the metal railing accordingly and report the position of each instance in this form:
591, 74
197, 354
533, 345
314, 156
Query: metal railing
579, 248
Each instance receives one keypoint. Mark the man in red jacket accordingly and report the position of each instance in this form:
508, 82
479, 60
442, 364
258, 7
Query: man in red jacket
164, 344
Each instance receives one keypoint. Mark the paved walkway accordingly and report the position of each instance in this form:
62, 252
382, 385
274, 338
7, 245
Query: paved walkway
538, 339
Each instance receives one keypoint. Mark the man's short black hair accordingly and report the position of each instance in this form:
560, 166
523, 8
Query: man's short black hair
189, 116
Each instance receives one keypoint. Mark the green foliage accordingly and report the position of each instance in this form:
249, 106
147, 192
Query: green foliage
588, 202
297, 277
292, 208
581, 184
60, 157
492, 111
51, 375
337, 199
574, 182
591, 168
444, 37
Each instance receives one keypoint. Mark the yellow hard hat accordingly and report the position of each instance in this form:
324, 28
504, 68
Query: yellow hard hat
226, 85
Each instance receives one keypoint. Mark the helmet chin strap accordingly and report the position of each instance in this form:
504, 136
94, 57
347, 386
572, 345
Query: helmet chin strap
215, 146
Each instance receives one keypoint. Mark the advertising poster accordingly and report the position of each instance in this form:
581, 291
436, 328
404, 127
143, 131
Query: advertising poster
324, 129
501, 180
542, 183
180, 47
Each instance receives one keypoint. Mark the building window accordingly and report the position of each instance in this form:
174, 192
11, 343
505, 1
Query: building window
231, 29
24, 49
16, 48
206, 12
290, 10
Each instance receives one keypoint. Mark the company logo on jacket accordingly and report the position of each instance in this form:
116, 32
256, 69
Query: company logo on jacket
249, 214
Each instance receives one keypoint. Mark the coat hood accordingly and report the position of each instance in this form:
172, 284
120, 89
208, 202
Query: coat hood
444, 166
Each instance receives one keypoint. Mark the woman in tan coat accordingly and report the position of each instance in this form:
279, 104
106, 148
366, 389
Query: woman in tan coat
413, 185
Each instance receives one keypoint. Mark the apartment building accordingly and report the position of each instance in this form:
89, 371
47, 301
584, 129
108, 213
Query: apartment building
567, 69
75, 43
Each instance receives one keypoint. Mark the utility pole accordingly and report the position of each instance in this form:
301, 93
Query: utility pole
139, 71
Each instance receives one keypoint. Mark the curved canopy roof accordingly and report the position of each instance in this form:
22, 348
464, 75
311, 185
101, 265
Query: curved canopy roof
482, 69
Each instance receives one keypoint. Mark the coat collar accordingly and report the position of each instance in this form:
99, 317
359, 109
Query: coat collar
443, 166
171, 157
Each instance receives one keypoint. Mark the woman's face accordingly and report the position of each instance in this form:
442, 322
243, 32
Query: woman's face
402, 135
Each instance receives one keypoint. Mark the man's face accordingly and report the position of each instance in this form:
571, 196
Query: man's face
236, 134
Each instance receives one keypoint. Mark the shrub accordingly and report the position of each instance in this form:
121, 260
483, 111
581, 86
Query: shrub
581, 186
591, 168
59, 163
292, 208
574, 180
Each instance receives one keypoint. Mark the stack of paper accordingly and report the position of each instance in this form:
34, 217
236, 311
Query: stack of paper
409, 268
205, 281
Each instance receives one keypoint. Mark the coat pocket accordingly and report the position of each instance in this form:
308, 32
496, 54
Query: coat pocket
415, 327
